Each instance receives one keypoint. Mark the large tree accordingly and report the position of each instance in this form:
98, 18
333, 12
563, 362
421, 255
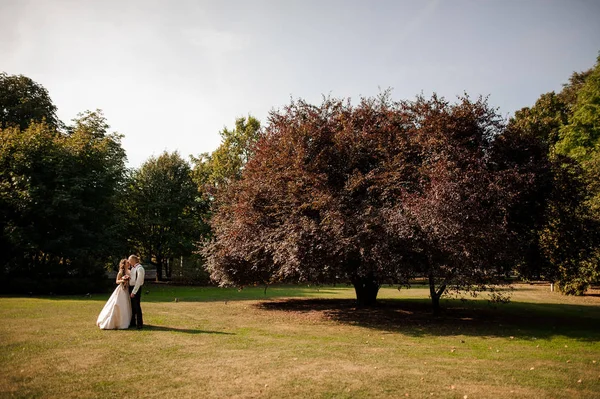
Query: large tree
164, 211
370, 194
22, 101
459, 206
59, 194
215, 170
580, 140
562, 226
580, 137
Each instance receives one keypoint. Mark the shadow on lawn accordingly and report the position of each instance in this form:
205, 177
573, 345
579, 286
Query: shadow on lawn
149, 327
471, 318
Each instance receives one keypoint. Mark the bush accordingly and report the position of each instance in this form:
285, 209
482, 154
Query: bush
574, 287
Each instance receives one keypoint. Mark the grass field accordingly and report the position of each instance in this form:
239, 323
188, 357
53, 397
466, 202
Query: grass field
303, 342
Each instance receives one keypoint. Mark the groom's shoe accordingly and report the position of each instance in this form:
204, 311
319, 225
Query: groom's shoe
139, 327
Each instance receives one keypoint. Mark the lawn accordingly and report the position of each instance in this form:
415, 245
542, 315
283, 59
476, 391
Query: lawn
303, 342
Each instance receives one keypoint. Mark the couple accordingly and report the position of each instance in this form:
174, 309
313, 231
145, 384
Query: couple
123, 308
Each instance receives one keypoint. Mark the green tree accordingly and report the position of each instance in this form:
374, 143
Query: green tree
570, 237
22, 101
225, 164
101, 160
164, 211
562, 226
545, 119
580, 140
59, 194
580, 137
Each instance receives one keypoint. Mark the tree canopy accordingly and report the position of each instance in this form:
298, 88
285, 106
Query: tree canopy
226, 163
371, 194
580, 136
564, 241
59, 195
164, 210
22, 101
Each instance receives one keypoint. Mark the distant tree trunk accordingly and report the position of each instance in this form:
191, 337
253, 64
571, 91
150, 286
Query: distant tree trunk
159, 268
366, 289
169, 268
435, 294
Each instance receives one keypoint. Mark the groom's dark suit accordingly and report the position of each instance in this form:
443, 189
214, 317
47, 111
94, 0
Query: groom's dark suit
135, 283
136, 310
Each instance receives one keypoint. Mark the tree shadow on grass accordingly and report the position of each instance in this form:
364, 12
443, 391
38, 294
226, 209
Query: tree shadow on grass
150, 327
470, 318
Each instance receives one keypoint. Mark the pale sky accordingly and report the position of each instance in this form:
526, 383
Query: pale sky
170, 74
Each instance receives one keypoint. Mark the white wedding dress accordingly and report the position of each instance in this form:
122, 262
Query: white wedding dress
116, 314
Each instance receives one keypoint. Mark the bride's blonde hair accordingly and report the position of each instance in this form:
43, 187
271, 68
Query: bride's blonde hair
123, 271
122, 265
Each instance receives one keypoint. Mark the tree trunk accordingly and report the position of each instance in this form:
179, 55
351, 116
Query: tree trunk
168, 268
159, 269
366, 289
435, 294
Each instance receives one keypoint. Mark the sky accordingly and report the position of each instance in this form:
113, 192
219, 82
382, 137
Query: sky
169, 75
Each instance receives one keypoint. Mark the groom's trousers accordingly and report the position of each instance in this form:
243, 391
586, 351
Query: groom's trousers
136, 309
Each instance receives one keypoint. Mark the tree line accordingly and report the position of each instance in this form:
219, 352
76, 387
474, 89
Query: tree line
374, 193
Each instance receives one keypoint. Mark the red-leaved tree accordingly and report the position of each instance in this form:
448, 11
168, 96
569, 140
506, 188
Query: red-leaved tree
369, 194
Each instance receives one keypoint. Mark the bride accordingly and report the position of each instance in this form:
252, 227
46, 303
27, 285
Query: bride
116, 314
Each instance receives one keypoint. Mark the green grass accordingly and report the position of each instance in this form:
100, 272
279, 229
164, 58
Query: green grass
303, 342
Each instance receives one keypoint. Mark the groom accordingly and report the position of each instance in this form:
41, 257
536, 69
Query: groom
136, 280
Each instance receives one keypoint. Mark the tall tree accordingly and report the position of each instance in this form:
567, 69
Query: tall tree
459, 209
580, 137
226, 163
22, 101
580, 140
59, 195
369, 194
164, 211
563, 245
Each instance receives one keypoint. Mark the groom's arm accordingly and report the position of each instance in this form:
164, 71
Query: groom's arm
139, 281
